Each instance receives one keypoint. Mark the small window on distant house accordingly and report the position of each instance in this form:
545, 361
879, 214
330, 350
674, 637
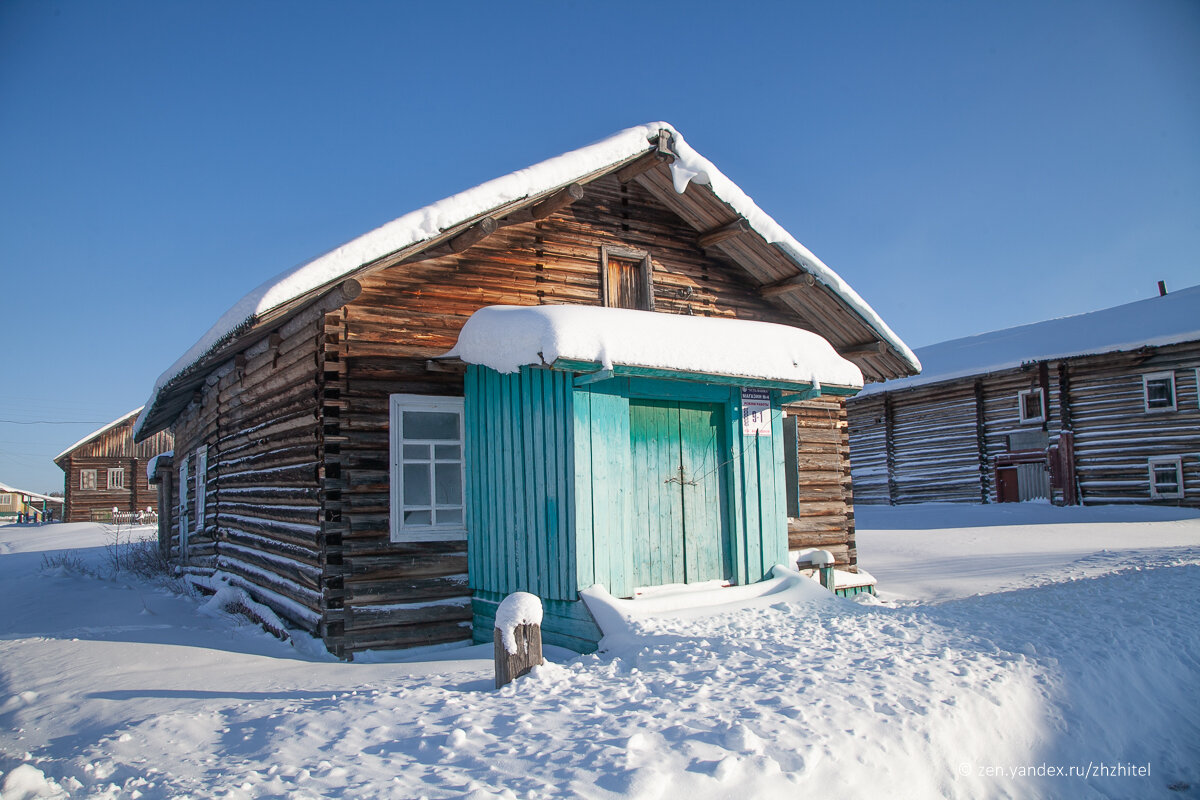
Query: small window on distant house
116, 479
6, 500
1159, 388
1166, 477
1029, 402
87, 479
626, 279
427, 468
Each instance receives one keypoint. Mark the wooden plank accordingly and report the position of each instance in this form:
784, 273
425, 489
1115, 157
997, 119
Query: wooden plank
583, 540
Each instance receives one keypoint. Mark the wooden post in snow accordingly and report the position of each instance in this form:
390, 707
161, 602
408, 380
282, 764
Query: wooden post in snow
517, 636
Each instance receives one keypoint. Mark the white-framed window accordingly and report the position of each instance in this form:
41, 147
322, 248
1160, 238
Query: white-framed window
427, 477
6, 499
1031, 406
1166, 477
87, 479
1158, 389
116, 478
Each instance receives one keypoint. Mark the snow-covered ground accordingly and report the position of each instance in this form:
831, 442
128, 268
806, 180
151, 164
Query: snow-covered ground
1009, 643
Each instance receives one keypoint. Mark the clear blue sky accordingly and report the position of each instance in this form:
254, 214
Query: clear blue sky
965, 166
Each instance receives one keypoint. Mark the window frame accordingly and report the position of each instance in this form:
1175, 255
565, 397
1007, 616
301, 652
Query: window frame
201, 487
83, 473
118, 471
6, 499
1147, 378
627, 254
1175, 461
1021, 395
398, 530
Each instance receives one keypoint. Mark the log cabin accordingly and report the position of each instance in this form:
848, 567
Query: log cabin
343, 456
1095, 408
106, 469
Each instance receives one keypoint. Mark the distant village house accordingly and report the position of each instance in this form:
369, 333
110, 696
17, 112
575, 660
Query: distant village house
20, 505
1096, 408
106, 470
648, 389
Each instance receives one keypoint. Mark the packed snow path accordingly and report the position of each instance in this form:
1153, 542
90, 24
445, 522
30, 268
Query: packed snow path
117, 689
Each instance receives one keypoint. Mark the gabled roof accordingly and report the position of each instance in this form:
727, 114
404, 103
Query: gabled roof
781, 264
97, 433
1170, 319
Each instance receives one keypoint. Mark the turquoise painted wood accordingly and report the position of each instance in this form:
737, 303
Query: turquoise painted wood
624, 482
680, 520
565, 624
518, 431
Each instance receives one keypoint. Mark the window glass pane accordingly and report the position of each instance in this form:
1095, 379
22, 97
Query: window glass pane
1032, 408
1159, 394
416, 451
430, 425
448, 479
449, 516
446, 451
1166, 477
417, 518
416, 484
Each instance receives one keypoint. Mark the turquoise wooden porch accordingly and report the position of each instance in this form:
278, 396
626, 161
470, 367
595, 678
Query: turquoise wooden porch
577, 476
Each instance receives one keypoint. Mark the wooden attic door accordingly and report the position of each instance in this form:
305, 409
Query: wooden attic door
678, 492
625, 277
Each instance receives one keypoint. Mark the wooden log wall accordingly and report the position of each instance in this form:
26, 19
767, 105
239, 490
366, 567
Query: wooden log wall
1115, 436
946, 436
257, 422
867, 429
825, 498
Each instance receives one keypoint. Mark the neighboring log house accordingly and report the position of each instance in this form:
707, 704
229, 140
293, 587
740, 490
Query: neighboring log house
1094, 408
106, 470
333, 463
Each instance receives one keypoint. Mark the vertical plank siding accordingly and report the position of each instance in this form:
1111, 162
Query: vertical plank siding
948, 435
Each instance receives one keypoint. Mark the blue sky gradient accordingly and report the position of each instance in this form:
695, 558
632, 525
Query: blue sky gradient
965, 166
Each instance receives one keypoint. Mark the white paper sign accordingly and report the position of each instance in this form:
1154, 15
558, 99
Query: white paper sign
756, 412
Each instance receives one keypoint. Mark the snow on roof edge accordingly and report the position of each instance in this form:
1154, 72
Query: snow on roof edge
1122, 343
428, 222
505, 337
96, 433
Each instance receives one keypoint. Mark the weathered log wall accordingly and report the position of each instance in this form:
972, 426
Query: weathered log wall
824, 513
256, 425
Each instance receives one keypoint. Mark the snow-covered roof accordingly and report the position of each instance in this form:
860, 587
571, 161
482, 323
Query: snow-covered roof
427, 223
507, 337
95, 433
6, 489
1170, 319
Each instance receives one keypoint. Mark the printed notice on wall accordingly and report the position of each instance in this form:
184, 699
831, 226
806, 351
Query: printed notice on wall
756, 412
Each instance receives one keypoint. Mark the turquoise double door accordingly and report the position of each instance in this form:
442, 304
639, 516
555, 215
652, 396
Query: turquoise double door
679, 492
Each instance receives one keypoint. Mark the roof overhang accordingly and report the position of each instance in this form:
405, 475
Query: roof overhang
614, 342
653, 155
